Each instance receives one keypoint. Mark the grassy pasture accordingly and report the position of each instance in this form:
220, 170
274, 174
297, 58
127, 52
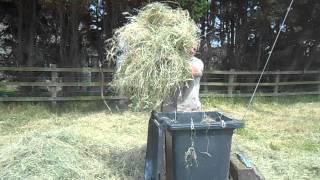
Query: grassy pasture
83, 141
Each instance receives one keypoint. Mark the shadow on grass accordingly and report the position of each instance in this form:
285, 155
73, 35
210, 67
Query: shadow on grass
267, 112
247, 133
283, 100
288, 100
68, 106
17, 114
84, 107
129, 164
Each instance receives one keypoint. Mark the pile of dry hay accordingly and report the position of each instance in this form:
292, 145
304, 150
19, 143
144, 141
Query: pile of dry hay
157, 45
55, 155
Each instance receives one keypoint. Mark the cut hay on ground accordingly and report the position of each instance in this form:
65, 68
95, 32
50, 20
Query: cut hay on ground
54, 155
154, 49
36, 143
282, 137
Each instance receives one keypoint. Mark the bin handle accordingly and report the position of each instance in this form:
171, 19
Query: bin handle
159, 121
223, 123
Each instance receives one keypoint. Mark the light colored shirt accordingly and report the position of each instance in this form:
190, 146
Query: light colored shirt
188, 99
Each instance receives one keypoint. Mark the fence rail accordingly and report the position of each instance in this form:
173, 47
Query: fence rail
232, 72
75, 98
228, 82
53, 69
53, 84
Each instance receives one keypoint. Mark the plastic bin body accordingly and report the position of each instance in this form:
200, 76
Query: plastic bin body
212, 164
178, 131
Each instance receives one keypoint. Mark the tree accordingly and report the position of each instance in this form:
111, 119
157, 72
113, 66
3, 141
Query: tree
236, 34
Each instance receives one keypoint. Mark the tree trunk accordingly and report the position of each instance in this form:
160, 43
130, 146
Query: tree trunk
62, 29
20, 31
259, 53
74, 41
32, 34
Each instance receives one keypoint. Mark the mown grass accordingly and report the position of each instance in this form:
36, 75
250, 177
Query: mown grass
281, 136
107, 146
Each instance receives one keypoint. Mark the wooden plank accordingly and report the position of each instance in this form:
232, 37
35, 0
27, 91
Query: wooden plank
97, 84
47, 69
261, 94
83, 84
53, 90
74, 98
259, 72
234, 84
299, 83
231, 80
319, 84
276, 87
261, 84
92, 84
239, 171
87, 98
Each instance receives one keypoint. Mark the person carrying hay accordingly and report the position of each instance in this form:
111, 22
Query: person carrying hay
153, 57
189, 99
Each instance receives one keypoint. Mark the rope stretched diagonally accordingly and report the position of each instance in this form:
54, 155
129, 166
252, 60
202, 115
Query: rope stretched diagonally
268, 59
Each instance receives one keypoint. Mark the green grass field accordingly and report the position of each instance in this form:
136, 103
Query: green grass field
83, 141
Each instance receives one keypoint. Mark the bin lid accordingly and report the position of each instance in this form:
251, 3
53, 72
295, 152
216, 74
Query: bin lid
200, 120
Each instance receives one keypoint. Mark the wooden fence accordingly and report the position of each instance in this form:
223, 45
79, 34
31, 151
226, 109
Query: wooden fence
214, 83
233, 81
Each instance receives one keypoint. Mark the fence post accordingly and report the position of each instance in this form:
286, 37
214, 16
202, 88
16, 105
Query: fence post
276, 87
319, 84
230, 81
205, 88
54, 80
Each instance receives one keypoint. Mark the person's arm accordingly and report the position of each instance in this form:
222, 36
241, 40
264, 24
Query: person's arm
197, 68
195, 71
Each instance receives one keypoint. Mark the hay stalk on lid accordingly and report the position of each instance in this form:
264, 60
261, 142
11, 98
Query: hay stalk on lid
154, 48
